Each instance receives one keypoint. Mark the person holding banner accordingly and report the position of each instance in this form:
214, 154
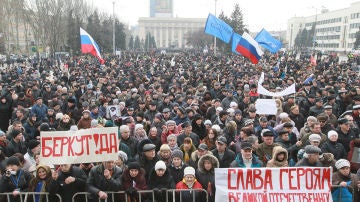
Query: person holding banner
103, 177
70, 180
345, 179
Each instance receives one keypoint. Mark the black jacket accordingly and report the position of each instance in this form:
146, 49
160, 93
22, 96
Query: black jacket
337, 149
207, 177
228, 157
160, 184
96, 181
67, 191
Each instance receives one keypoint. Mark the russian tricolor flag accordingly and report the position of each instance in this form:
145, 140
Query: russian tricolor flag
88, 45
246, 46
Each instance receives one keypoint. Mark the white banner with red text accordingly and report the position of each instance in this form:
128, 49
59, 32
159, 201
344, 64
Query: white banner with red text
82, 146
307, 184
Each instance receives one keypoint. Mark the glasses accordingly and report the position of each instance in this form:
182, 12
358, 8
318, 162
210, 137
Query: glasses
189, 177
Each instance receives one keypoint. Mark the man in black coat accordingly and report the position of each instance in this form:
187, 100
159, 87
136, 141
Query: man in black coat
70, 180
222, 153
102, 178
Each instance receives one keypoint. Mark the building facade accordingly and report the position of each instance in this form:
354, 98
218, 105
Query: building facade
334, 30
169, 32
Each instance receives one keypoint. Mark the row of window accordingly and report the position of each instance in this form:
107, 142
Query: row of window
355, 15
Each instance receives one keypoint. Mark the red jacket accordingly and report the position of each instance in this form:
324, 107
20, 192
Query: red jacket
182, 185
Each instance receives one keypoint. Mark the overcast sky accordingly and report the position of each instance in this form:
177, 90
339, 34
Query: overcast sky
269, 14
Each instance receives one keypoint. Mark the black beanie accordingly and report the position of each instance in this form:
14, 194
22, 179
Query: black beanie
32, 144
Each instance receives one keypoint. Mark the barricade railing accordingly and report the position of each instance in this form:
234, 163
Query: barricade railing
170, 195
340, 197
30, 196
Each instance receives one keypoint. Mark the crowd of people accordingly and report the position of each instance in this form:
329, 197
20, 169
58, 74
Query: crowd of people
179, 116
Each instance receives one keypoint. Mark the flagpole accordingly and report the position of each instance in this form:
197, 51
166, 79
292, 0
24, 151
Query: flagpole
214, 36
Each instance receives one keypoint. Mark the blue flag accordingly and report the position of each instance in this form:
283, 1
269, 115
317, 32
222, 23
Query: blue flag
218, 28
267, 41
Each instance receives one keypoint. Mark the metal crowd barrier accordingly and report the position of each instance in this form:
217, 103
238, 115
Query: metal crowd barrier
340, 199
25, 196
175, 193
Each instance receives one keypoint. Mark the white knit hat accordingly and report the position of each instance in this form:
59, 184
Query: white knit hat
160, 165
342, 163
331, 133
189, 171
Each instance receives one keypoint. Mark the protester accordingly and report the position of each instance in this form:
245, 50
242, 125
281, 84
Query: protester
44, 182
70, 180
160, 180
15, 179
206, 174
103, 177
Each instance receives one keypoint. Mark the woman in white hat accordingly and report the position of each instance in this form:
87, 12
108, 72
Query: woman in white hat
345, 178
189, 182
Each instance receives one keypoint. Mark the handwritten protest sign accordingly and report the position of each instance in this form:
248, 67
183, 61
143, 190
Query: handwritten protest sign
273, 184
82, 146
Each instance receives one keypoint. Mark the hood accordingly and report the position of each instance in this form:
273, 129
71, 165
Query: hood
277, 150
214, 161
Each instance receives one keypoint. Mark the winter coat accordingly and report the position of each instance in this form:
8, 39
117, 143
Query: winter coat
337, 178
97, 182
199, 130
188, 195
147, 164
40, 111
14, 147
30, 129
160, 183
345, 139
65, 126
304, 162
138, 183
9, 184
207, 177
194, 159
337, 149
67, 191
192, 149
265, 152
84, 123
239, 162
177, 173
228, 157
274, 162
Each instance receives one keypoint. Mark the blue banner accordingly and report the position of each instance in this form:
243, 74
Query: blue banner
267, 41
218, 28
